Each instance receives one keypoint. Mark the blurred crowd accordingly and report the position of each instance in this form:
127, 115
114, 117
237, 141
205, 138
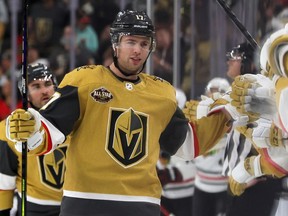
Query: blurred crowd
50, 37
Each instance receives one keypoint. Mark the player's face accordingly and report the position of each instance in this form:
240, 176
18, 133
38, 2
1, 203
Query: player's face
40, 92
133, 52
234, 68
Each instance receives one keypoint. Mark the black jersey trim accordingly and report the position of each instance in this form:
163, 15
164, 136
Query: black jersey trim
8, 160
64, 111
175, 133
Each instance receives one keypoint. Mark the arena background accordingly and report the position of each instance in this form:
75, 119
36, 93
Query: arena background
200, 35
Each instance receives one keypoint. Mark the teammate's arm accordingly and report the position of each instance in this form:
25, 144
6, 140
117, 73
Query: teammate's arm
191, 138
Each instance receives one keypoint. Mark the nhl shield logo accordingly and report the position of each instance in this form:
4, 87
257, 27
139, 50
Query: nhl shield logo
127, 139
101, 95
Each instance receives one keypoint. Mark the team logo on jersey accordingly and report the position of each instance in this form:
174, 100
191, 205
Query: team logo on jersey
101, 95
52, 168
127, 139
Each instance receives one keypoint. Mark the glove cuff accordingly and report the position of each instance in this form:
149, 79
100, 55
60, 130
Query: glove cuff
257, 166
253, 167
204, 107
36, 140
32, 142
240, 174
239, 120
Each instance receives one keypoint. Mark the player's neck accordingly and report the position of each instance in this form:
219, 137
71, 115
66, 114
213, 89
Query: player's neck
118, 73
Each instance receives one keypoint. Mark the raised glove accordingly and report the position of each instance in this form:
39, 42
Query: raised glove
197, 109
190, 110
20, 125
253, 95
243, 173
222, 104
239, 119
23, 126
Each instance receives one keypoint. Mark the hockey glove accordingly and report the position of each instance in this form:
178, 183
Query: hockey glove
223, 104
24, 125
190, 110
243, 174
197, 109
264, 134
253, 95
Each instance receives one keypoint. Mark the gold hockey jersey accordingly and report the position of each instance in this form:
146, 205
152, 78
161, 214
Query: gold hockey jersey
116, 126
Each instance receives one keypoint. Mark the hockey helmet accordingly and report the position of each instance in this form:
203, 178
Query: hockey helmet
274, 53
132, 23
241, 52
217, 84
40, 71
245, 53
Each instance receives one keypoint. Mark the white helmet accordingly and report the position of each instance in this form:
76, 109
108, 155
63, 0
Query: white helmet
274, 53
220, 85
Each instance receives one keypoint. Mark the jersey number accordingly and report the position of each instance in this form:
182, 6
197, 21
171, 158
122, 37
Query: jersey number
139, 17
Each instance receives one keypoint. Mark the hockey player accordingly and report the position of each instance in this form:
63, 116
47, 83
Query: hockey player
270, 133
118, 119
273, 59
45, 173
241, 153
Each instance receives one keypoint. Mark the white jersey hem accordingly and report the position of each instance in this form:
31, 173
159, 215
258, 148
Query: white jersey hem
111, 197
42, 201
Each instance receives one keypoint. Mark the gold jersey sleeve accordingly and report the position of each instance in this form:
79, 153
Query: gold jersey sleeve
210, 130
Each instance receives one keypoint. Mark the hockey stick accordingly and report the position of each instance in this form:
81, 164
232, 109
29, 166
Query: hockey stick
25, 106
238, 24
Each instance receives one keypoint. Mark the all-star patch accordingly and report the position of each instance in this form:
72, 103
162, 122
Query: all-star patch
101, 95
